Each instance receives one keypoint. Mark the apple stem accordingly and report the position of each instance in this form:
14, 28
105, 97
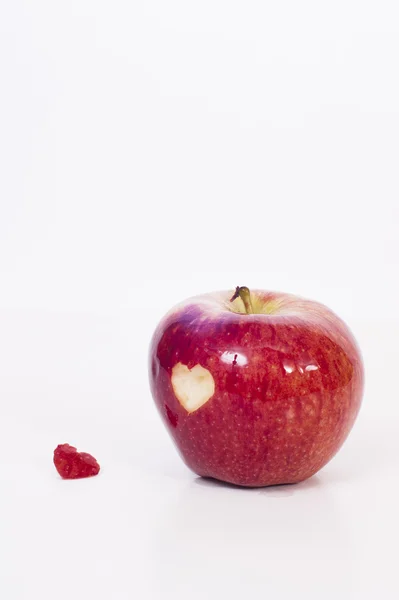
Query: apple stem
245, 295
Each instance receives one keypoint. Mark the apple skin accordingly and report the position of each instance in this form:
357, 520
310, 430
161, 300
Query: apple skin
288, 385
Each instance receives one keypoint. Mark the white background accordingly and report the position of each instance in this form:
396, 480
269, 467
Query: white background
150, 151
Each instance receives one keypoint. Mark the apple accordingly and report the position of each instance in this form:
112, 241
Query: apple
256, 388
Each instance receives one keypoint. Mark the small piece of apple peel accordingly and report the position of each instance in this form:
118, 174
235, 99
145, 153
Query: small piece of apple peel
192, 387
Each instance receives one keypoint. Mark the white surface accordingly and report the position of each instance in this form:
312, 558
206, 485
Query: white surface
150, 151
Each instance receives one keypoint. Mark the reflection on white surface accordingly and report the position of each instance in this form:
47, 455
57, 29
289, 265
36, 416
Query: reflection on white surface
234, 358
218, 541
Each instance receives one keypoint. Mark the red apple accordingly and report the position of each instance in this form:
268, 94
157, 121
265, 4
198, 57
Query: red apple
259, 389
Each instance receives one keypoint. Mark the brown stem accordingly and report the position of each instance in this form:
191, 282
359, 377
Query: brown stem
245, 295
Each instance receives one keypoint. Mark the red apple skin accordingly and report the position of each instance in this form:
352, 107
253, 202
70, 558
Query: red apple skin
288, 386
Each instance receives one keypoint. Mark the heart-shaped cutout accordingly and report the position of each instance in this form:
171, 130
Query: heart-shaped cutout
192, 387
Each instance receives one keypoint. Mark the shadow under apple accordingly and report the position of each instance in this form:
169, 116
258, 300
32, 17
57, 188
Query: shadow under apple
280, 491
